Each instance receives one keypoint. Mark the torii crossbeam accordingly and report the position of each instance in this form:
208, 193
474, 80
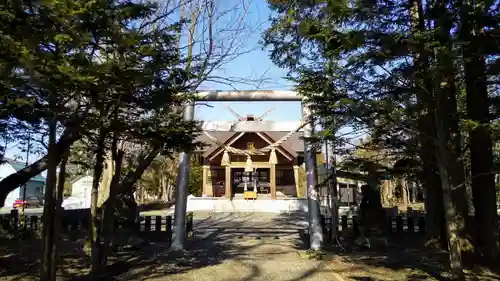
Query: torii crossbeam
259, 95
315, 230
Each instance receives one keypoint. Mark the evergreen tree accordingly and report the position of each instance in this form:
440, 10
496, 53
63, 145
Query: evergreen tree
395, 68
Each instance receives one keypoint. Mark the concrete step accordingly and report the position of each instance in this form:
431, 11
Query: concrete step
242, 205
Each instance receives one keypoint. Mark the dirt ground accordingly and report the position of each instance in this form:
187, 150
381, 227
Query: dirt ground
402, 260
242, 247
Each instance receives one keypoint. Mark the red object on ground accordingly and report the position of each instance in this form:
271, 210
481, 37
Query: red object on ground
18, 203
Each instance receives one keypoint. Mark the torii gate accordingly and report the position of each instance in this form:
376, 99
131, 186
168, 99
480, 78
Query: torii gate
315, 230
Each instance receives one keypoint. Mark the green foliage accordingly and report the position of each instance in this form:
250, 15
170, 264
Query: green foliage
102, 77
498, 195
356, 65
160, 177
195, 184
398, 71
68, 188
92, 70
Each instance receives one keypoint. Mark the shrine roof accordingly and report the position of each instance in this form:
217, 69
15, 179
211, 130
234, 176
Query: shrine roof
294, 142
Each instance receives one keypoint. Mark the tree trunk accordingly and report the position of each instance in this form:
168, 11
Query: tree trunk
108, 221
481, 145
434, 211
408, 192
447, 112
164, 187
133, 176
334, 208
105, 184
452, 222
94, 235
48, 237
390, 195
385, 192
431, 183
404, 191
13, 181
59, 210
143, 190
413, 192
426, 105
125, 204
448, 93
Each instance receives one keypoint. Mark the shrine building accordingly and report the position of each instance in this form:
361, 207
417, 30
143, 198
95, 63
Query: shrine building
253, 159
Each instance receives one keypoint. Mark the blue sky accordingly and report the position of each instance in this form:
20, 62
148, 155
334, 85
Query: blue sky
253, 65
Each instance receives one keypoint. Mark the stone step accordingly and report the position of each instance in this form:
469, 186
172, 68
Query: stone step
242, 205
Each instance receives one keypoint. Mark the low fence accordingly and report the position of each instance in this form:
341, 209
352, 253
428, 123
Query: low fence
73, 222
397, 225
349, 225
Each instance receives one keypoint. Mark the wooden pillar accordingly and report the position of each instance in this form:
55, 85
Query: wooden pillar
272, 182
204, 181
207, 189
296, 179
228, 182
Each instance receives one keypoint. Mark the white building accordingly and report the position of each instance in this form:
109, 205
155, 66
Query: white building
34, 187
80, 193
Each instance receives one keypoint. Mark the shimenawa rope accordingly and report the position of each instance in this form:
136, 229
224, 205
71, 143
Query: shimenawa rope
260, 151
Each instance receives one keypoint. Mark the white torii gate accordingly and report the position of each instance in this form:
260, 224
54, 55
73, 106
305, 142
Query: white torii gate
315, 230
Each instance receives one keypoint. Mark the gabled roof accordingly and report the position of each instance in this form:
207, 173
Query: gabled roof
293, 145
294, 142
210, 145
17, 165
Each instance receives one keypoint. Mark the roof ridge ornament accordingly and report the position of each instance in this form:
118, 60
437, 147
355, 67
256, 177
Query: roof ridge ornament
250, 117
258, 151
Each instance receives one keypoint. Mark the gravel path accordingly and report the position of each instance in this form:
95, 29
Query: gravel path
245, 247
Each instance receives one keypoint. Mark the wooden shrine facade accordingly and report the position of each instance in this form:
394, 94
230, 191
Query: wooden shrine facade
276, 172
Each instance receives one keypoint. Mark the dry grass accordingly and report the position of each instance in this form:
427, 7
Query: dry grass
350, 269
21, 260
402, 260
356, 270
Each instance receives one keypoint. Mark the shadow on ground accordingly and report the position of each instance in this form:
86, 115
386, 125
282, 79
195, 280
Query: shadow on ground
401, 261
217, 238
404, 258
254, 246
223, 237
20, 260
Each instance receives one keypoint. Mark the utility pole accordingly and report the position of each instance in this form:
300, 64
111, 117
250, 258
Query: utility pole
333, 188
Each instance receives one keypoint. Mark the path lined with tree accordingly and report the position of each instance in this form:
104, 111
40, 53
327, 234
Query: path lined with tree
103, 84
421, 77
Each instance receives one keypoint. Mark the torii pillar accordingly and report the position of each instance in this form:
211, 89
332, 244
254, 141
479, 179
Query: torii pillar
315, 231
181, 192
313, 206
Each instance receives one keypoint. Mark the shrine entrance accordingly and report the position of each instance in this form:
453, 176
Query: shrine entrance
257, 181
269, 151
